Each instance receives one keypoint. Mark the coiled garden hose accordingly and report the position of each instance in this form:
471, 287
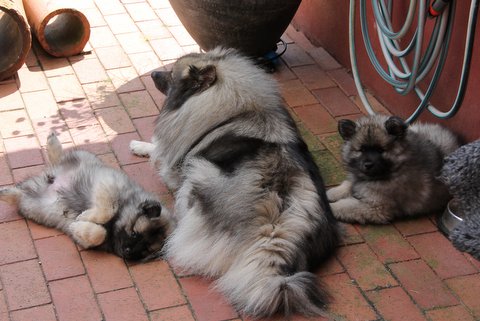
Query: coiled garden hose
404, 78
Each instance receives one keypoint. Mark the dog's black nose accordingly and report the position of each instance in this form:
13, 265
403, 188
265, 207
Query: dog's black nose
155, 74
368, 165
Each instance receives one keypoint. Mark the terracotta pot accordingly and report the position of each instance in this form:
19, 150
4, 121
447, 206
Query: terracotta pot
62, 31
15, 37
252, 26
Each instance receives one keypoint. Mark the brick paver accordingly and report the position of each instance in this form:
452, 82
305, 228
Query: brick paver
74, 299
362, 265
59, 256
157, 285
44, 313
440, 255
207, 303
423, 285
24, 285
122, 305
466, 288
16, 244
106, 271
395, 305
103, 98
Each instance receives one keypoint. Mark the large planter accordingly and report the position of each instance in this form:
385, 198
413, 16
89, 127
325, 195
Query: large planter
252, 26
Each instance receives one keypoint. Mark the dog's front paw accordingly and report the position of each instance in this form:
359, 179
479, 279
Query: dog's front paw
142, 149
95, 215
351, 210
87, 234
339, 192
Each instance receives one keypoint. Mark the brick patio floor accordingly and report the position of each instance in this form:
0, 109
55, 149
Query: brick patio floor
101, 100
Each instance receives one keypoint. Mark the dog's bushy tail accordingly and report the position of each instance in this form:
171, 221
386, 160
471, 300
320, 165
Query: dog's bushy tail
265, 294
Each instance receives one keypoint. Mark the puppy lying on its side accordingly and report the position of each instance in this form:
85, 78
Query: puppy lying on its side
97, 206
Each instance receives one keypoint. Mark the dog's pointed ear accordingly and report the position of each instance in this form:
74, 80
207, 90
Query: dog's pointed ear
162, 80
395, 126
347, 128
203, 77
151, 209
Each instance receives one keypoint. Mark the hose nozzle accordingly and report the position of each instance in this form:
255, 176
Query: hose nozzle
436, 7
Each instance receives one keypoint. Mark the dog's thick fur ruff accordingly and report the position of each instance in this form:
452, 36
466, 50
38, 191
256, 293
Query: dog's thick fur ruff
250, 202
392, 169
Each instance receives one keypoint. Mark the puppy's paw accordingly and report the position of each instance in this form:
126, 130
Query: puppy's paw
339, 192
11, 195
94, 215
333, 195
142, 149
87, 234
343, 212
54, 149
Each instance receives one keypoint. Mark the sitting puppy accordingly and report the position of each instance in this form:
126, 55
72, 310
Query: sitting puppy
251, 205
392, 169
94, 204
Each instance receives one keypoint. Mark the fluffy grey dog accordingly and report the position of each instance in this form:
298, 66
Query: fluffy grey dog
392, 169
461, 173
94, 204
251, 206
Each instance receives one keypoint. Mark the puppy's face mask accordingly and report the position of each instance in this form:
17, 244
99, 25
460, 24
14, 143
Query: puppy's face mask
372, 147
144, 235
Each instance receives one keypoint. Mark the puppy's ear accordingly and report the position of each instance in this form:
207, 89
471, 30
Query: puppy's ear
151, 209
162, 80
202, 78
395, 126
346, 128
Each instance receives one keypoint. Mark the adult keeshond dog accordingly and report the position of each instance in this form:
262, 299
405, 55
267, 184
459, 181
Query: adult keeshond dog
392, 169
251, 205
96, 205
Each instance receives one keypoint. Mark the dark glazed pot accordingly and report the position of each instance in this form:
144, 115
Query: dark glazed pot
252, 26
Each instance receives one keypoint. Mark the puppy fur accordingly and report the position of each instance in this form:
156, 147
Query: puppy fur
97, 206
392, 169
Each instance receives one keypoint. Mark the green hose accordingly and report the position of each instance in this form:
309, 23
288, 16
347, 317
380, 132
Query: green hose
401, 77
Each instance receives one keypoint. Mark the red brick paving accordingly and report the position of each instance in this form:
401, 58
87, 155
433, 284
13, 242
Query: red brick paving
415, 226
208, 304
388, 243
59, 256
16, 244
466, 288
24, 285
122, 305
180, 313
157, 285
106, 271
100, 100
423, 285
44, 313
348, 301
445, 260
454, 313
74, 299
363, 265
395, 305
